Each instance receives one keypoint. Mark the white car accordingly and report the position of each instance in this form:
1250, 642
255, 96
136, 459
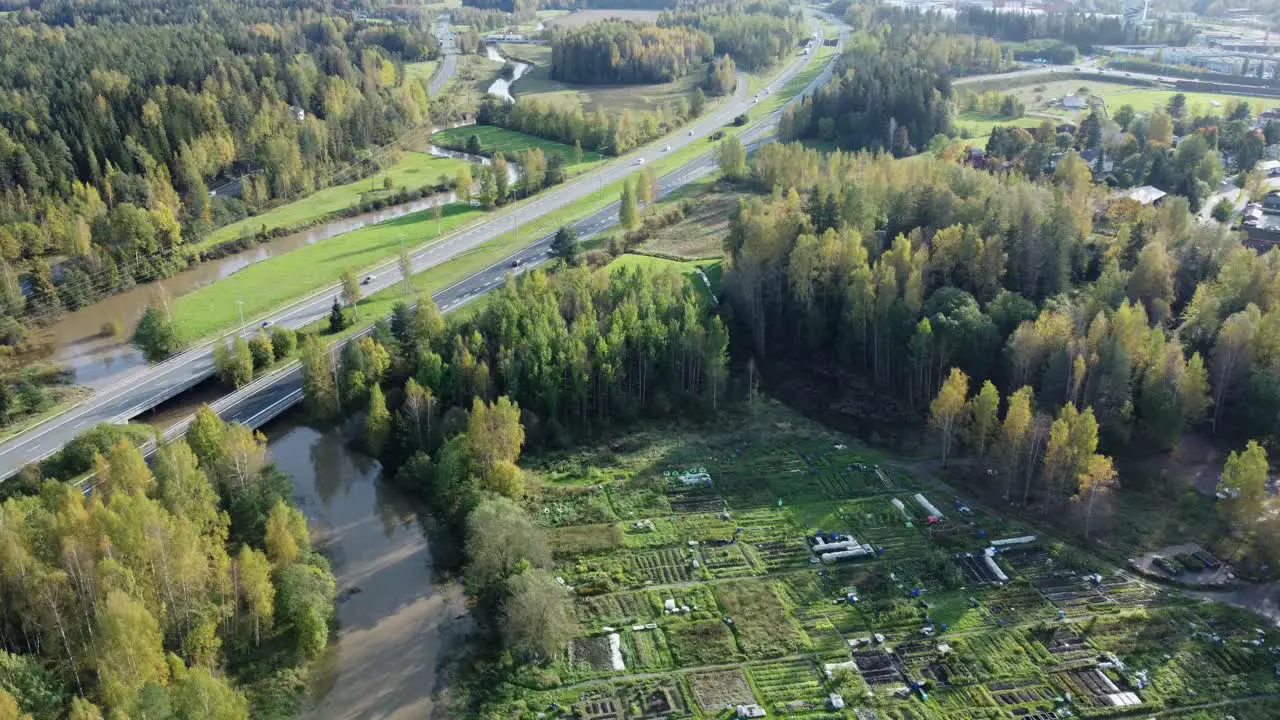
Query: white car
639, 161
690, 133
666, 148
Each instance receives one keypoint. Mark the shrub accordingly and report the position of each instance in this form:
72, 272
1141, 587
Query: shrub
283, 342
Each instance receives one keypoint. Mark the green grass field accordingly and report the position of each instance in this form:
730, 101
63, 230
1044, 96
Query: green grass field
423, 70
274, 282
1145, 100
413, 170
496, 139
979, 124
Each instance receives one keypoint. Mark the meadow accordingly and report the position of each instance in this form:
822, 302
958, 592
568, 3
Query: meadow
412, 170
495, 139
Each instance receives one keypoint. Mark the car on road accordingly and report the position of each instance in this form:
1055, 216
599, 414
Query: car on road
516, 263
265, 324
666, 148
639, 161
690, 133
367, 279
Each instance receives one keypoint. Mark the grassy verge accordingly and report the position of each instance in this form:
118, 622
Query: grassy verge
66, 397
412, 170
423, 70
495, 139
284, 278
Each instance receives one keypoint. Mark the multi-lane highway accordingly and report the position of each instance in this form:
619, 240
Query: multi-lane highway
268, 397
149, 385
448, 57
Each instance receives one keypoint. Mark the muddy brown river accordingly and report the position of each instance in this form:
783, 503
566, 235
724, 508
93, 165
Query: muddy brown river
397, 622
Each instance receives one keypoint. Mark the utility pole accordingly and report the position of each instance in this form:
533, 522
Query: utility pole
240, 303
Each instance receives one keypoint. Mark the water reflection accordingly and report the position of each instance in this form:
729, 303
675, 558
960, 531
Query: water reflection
397, 622
502, 86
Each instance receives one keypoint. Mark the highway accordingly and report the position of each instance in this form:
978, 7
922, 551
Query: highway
1087, 68
150, 385
448, 58
266, 398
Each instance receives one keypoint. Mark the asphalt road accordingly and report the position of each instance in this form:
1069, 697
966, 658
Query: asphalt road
1086, 68
152, 384
448, 58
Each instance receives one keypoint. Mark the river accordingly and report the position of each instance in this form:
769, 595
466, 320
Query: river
97, 361
397, 622
502, 86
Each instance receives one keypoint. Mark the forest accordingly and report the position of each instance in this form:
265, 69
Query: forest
614, 134
757, 34
1147, 322
112, 135
183, 589
883, 95
617, 51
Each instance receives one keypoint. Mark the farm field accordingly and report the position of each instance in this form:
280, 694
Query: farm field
412, 170
585, 17
496, 139
716, 597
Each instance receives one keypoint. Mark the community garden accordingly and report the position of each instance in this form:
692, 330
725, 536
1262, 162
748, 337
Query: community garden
775, 567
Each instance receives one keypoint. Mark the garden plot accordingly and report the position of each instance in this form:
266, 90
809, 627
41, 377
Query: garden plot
761, 621
644, 700
706, 642
782, 554
560, 507
878, 667
792, 686
825, 623
1069, 648
1016, 603
582, 539
1020, 693
1095, 687
646, 649
648, 533
716, 690
725, 560
617, 609
662, 567
695, 500
975, 568
636, 502
601, 653
1002, 654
